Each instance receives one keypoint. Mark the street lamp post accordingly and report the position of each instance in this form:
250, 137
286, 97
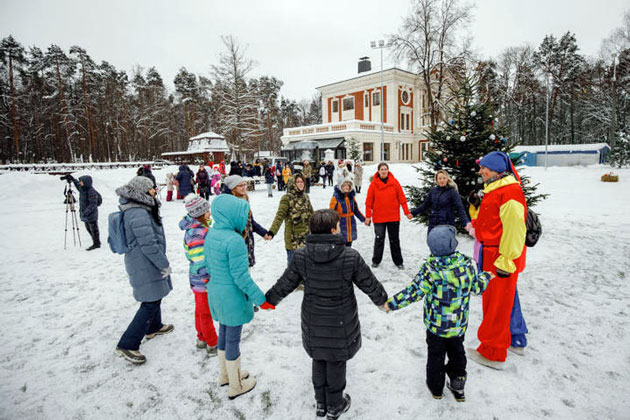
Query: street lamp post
613, 115
547, 122
380, 44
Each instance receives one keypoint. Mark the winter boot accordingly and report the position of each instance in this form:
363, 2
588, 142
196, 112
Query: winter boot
479, 358
520, 351
93, 247
223, 376
335, 412
320, 410
134, 356
201, 344
166, 328
212, 350
238, 386
456, 386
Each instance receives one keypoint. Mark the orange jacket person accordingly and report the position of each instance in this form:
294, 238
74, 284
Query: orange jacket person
344, 203
500, 227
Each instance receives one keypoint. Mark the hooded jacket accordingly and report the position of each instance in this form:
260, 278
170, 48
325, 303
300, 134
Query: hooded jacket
384, 200
447, 283
232, 292
185, 180
330, 318
347, 207
295, 225
194, 238
88, 199
147, 246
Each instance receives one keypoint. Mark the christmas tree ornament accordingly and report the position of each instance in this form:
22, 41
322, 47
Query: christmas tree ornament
492, 137
462, 138
445, 159
473, 114
451, 121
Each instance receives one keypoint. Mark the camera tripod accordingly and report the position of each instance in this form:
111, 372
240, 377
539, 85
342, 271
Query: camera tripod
70, 201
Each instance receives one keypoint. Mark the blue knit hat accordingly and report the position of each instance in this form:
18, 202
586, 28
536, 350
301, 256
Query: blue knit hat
496, 161
442, 241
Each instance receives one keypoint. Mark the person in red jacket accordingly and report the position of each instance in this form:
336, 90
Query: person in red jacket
384, 199
501, 229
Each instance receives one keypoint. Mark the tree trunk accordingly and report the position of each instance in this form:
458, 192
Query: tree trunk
16, 136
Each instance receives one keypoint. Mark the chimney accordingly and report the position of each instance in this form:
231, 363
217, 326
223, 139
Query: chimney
364, 64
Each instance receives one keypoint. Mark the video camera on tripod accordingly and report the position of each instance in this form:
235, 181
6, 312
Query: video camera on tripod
69, 200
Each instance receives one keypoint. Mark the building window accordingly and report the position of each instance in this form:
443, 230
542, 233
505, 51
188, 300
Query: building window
405, 97
376, 98
386, 149
335, 106
404, 121
348, 104
368, 152
408, 125
366, 100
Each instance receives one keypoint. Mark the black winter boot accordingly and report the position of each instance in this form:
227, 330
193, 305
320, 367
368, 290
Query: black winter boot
456, 386
320, 410
335, 412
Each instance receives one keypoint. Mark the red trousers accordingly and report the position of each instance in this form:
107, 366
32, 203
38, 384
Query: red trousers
169, 195
494, 331
203, 320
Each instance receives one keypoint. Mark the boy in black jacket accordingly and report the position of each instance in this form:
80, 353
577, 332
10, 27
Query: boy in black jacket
331, 334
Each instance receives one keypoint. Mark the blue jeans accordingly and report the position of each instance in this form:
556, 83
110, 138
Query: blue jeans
148, 319
518, 328
230, 340
289, 256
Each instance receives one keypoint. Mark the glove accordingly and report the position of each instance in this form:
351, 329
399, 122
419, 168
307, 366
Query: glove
267, 306
502, 274
166, 272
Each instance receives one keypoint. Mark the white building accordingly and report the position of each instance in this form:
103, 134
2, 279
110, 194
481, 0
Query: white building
351, 109
205, 147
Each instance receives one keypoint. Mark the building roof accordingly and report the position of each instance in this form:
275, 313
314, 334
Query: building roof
365, 74
209, 135
567, 148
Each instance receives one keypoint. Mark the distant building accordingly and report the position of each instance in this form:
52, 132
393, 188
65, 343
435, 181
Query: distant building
563, 154
351, 109
206, 147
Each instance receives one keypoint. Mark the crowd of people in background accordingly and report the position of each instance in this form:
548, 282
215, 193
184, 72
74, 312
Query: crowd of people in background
219, 245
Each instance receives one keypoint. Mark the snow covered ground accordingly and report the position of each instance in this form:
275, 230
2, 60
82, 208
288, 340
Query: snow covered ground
64, 311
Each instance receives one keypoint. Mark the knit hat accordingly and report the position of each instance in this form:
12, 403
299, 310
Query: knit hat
140, 183
196, 206
442, 241
343, 181
232, 181
495, 161
499, 162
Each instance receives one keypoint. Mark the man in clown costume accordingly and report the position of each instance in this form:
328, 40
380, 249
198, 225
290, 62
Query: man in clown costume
501, 229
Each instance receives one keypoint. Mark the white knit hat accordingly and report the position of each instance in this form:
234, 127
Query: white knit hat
196, 206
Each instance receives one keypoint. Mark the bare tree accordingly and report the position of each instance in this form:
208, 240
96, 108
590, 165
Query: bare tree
427, 40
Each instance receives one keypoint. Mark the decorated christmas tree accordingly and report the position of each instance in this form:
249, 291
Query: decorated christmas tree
470, 131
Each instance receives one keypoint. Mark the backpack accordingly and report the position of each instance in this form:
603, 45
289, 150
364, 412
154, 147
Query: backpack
534, 228
100, 199
117, 239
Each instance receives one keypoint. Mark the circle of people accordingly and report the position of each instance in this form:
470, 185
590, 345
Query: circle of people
219, 245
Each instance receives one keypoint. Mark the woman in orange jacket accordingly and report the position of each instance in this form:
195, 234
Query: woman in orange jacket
384, 199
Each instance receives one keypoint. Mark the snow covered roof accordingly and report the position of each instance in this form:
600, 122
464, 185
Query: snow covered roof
561, 148
207, 135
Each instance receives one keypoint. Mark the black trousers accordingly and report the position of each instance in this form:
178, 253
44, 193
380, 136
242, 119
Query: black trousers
329, 381
393, 229
92, 228
204, 191
438, 348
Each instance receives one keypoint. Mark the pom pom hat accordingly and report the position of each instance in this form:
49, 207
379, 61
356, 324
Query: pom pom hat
196, 206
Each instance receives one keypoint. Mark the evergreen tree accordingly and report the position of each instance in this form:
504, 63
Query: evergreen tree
471, 131
620, 155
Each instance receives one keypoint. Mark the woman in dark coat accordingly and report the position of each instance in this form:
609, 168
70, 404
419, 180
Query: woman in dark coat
203, 182
146, 264
185, 180
331, 333
443, 201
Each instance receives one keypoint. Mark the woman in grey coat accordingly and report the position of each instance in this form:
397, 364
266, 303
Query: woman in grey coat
146, 264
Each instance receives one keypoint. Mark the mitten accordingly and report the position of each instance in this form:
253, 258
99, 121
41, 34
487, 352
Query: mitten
267, 306
502, 274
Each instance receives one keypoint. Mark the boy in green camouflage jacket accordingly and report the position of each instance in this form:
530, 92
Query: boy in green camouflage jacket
447, 278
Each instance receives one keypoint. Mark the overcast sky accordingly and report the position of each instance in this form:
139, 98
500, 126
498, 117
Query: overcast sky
303, 43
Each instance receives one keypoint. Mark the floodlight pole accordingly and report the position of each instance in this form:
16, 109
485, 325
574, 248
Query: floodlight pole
380, 44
